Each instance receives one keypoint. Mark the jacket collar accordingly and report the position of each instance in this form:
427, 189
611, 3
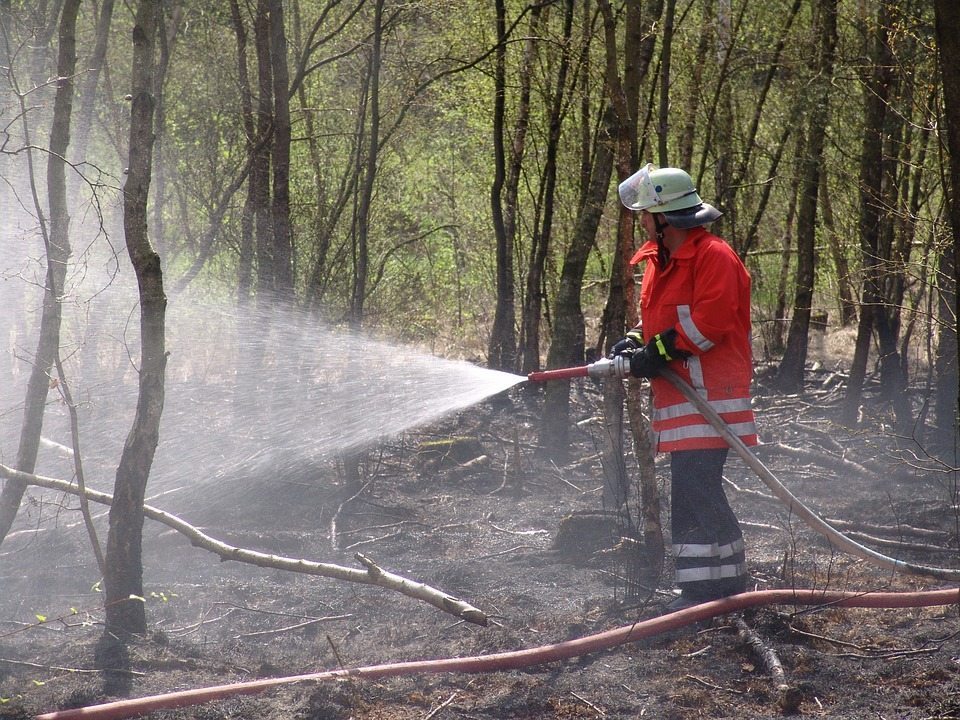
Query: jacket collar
648, 251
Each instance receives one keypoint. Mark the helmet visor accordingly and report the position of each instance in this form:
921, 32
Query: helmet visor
637, 192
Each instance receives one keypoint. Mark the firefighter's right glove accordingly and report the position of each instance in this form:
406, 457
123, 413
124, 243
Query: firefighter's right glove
632, 342
649, 360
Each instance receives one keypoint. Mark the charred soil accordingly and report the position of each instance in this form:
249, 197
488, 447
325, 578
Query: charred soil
473, 508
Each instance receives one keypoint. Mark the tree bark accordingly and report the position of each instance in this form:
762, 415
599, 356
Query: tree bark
123, 582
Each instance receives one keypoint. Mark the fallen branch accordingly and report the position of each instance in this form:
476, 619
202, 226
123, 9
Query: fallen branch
788, 698
373, 575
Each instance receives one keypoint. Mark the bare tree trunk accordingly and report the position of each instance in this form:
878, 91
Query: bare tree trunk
57, 242
568, 341
742, 171
362, 259
259, 192
948, 44
692, 106
533, 296
245, 260
502, 348
790, 375
876, 97
91, 79
663, 112
123, 583
283, 256
846, 301
167, 37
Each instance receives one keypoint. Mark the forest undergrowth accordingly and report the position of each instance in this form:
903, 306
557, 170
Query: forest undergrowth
491, 526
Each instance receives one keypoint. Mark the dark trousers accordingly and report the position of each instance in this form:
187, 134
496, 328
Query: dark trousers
707, 541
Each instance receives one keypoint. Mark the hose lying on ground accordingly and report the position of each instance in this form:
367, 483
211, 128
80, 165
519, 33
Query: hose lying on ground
137, 707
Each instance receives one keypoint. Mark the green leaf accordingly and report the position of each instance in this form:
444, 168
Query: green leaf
40, 618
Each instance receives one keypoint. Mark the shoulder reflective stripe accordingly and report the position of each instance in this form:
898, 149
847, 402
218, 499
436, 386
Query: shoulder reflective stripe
691, 330
686, 408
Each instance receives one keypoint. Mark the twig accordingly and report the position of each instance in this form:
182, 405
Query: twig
370, 541
441, 706
288, 628
589, 704
336, 652
190, 629
519, 532
336, 516
712, 686
64, 387
868, 652
78, 671
508, 551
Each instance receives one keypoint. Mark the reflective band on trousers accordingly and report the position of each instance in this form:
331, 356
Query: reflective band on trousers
711, 550
707, 552
711, 573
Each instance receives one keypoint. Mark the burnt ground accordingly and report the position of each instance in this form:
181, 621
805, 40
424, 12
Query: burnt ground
521, 538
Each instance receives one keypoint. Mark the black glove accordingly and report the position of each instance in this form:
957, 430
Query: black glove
647, 361
633, 341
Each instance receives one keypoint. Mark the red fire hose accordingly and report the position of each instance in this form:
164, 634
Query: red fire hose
121, 709
607, 368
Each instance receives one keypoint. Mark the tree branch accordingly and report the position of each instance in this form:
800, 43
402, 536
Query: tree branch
372, 575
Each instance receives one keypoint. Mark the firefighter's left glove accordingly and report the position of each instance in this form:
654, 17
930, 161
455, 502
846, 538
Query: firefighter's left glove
632, 342
648, 361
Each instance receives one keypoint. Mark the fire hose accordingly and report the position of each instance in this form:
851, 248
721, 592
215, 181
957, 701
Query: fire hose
619, 367
607, 368
500, 662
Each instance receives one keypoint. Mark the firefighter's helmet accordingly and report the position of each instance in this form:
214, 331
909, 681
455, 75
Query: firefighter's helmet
669, 191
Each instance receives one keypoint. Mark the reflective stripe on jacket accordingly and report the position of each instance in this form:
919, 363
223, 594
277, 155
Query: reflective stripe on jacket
704, 293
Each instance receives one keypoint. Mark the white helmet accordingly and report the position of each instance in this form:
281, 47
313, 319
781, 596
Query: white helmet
669, 191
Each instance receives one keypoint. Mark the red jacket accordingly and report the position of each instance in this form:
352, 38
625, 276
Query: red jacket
704, 293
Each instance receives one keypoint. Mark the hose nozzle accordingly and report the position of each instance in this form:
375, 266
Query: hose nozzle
615, 367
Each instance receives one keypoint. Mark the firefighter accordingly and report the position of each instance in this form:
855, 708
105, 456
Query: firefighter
695, 319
